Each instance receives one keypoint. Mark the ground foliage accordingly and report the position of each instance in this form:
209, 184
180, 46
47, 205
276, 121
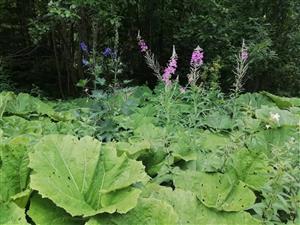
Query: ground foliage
137, 156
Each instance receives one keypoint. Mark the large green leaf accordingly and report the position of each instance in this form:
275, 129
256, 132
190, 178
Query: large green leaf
5, 97
219, 120
25, 104
268, 139
191, 211
133, 148
44, 212
253, 100
213, 141
251, 168
285, 117
220, 191
184, 146
283, 102
75, 173
15, 125
149, 211
11, 214
14, 173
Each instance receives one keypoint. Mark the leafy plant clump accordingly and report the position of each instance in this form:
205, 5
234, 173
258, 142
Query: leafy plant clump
180, 154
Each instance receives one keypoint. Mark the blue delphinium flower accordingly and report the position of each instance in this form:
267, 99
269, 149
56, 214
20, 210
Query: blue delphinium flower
107, 52
83, 47
85, 62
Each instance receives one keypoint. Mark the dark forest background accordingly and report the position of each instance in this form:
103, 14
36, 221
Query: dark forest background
39, 40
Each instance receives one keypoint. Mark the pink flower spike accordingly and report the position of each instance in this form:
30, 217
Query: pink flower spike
170, 69
244, 55
143, 45
197, 57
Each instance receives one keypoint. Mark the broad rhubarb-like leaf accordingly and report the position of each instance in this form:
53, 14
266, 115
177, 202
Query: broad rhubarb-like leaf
220, 191
14, 172
11, 214
149, 211
84, 178
191, 211
44, 212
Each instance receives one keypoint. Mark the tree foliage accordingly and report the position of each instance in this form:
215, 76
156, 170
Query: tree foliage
40, 39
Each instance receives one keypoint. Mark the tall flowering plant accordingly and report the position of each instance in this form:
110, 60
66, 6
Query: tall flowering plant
195, 63
149, 56
242, 61
97, 65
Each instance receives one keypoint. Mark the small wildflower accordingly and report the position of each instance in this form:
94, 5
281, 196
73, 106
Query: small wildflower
268, 126
85, 62
141, 42
83, 47
143, 45
244, 55
182, 90
86, 90
107, 52
274, 117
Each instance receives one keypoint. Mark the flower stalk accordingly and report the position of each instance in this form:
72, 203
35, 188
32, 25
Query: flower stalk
241, 69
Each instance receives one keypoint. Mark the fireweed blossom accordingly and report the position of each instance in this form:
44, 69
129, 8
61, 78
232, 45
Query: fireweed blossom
244, 55
242, 61
197, 57
170, 69
143, 45
149, 56
196, 62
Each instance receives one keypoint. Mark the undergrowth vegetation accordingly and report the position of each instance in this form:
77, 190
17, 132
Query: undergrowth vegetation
173, 155
143, 157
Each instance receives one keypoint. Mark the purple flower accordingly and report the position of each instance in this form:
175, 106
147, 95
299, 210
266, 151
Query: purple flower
197, 57
83, 47
107, 52
143, 45
170, 69
85, 62
244, 55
